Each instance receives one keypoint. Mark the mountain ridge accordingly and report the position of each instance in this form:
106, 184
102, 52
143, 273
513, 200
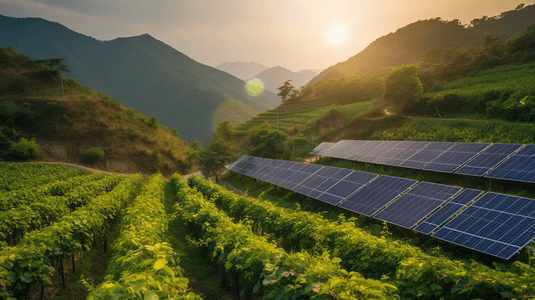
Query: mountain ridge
276, 76
140, 71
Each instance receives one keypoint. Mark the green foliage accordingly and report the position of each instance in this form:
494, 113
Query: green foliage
93, 155
263, 268
193, 154
24, 149
220, 151
444, 130
11, 113
402, 88
415, 273
54, 64
286, 90
350, 88
521, 48
288, 119
503, 92
30, 262
269, 143
145, 265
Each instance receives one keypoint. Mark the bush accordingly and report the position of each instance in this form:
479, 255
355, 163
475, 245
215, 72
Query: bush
92, 155
167, 166
24, 149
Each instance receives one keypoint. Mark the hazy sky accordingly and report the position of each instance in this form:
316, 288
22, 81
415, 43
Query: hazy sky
290, 33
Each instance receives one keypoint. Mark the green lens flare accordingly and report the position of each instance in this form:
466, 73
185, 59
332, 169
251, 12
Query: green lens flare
254, 87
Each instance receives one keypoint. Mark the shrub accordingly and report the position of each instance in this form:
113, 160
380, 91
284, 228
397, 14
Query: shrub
92, 155
156, 153
167, 166
24, 149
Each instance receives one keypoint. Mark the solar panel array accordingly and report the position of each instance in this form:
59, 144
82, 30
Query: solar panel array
496, 224
500, 161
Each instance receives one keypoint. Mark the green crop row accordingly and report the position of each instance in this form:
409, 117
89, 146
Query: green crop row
267, 270
19, 197
14, 176
297, 117
144, 265
415, 273
43, 211
29, 263
448, 130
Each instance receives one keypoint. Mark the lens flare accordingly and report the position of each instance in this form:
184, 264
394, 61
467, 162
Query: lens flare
254, 87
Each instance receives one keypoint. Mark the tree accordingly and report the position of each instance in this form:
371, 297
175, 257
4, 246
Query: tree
269, 143
54, 64
285, 90
220, 151
402, 87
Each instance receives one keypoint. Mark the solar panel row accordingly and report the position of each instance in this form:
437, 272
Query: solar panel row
496, 224
501, 161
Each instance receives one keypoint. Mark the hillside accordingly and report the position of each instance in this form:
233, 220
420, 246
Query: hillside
276, 76
32, 107
413, 41
242, 70
140, 72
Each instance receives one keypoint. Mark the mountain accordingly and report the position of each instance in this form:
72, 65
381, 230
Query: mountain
410, 43
141, 72
276, 76
31, 107
240, 69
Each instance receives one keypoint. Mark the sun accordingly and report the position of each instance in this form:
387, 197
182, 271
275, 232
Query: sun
336, 35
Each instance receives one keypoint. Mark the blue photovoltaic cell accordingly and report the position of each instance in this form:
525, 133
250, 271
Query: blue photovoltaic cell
447, 211
417, 203
401, 152
354, 149
454, 157
364, 149
376, 194
519, 167
321, 147
345, 184
380, 148
423, 156
488, 159
496, 224
344, 148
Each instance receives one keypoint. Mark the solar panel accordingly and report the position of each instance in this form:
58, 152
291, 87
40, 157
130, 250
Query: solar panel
456, 156
321, 147
447, 211
519, 167
345, 149
496, 224
345, 182
417, 203
376, 194
399, 152
332, 150
381, 149
423, 156
488, 159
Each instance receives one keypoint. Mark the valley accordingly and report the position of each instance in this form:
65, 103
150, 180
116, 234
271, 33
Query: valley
169, 215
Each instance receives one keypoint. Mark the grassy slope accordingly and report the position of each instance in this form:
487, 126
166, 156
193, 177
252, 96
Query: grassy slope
234, 111
289, 119
65, 129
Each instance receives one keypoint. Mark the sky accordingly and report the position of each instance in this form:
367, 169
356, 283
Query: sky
295, 34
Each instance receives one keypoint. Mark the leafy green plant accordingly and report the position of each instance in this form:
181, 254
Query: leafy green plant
93, 155
24, 149
267, 270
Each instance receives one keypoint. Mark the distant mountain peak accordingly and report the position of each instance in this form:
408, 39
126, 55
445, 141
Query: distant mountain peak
242, 70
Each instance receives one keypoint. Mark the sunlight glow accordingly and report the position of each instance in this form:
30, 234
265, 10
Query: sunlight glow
254, 87
336, 35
